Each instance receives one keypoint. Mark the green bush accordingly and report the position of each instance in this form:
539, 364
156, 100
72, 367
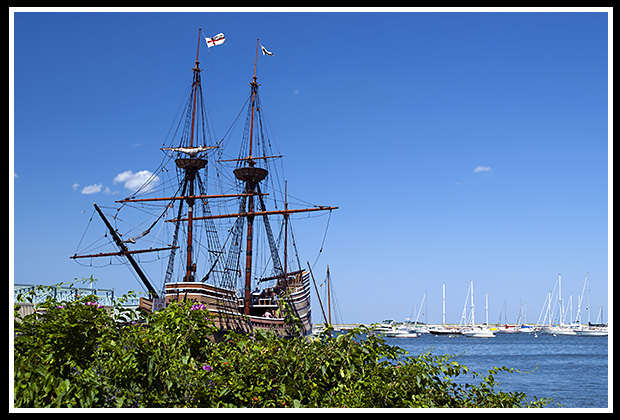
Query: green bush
78, 354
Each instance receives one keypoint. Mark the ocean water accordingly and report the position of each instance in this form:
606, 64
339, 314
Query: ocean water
571, 370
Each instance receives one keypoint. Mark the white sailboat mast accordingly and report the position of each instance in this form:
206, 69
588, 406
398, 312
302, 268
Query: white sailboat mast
588, 308
443, 314
486, 307
472, 303
583, 290
549, 306
561, 320
420, 310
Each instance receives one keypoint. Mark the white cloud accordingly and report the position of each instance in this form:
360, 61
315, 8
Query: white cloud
92, 189
133, 181
482, 169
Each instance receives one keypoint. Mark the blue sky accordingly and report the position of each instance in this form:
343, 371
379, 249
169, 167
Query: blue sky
458, 146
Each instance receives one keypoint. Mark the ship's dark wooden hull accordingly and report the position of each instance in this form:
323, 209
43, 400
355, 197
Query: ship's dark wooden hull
268, 310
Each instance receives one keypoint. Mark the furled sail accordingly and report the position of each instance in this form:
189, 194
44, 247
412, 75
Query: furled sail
191, 151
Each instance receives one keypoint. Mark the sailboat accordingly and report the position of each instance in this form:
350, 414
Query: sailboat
598, 329
422, 329
590, 330
212, 228
326, 317
505, 329
476, 330
562, 328
443, 329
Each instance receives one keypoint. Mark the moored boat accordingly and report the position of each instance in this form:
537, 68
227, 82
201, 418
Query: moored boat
478, 332
558, 330
443, 330
402, 331
383, 327
507, 329
402, 334
473, 330
592, 330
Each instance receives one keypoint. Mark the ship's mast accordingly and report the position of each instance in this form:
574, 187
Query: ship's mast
252, 176
329, 300
195, 86
284, 275
254, 90
191, 166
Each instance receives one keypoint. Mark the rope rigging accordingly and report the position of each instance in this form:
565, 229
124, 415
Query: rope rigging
323, 241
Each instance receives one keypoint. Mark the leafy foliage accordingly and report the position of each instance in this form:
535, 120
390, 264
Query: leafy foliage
78, 354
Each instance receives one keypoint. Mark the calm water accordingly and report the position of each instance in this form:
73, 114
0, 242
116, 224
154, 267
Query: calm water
572, 370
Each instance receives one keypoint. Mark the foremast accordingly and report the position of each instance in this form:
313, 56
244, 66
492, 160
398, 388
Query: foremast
191, 165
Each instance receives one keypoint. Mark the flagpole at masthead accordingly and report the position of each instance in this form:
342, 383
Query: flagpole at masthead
196, 71
254, 89
256, 57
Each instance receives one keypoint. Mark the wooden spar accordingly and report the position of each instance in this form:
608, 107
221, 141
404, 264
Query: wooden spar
317, 292
196, 71
279, 276
329, 301
250, 158
254, 89
285, 229
139, 200
127, 253
255, 213
112, 254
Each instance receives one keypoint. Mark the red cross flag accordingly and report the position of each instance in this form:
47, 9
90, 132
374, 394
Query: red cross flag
215, 40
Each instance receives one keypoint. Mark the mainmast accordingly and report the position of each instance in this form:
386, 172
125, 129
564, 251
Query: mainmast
252, 176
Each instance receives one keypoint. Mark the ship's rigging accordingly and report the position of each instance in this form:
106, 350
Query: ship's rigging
203, 222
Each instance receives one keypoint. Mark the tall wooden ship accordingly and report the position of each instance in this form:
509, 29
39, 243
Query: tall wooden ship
213, 232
